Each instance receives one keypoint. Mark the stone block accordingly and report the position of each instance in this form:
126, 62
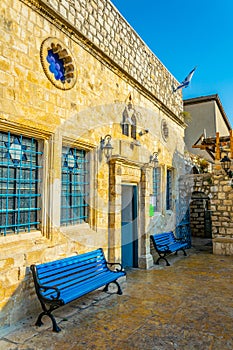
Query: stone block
222, 208
34, 256
223, 246
227, 202
221, 195
145, 261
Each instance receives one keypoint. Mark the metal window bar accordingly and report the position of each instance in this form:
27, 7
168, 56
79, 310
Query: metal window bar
156, 188
169, 190
18, 183
74, 195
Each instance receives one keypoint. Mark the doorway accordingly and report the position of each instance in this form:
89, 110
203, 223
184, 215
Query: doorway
129, 226
200, 215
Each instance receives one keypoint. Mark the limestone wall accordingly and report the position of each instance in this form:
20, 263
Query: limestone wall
100, 24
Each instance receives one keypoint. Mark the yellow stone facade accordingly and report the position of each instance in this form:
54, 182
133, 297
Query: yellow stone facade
31, 105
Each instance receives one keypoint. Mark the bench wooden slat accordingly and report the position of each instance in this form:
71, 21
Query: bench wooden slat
67, 282
67, 262
74, 290
74, 271
87, 287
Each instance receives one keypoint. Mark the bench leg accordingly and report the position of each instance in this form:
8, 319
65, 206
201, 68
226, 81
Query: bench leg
162, 257
39, 322
55, 326
119, 291
182, 251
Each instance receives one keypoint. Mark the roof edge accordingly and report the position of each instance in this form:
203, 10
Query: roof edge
208, 98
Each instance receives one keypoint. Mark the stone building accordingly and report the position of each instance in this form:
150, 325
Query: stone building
77, 81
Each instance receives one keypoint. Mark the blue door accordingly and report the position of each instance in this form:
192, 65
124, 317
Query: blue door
183, 230
129, 228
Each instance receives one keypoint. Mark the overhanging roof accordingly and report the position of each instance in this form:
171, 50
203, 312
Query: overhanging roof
209, 98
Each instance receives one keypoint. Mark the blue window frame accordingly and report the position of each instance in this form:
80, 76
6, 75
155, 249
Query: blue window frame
19, 205
74, 187
169, 190
156, 189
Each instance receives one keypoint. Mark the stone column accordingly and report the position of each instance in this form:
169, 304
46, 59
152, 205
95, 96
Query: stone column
145, 260
114, 212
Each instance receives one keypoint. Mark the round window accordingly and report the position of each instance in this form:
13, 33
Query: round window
58, 64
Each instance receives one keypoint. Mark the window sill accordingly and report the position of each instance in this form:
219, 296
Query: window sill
11, 237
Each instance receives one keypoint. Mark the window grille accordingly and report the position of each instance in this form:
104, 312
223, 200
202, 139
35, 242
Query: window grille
169, 190
19, 180
74, 195
156, 189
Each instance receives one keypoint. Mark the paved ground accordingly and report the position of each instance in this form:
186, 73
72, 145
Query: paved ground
188, 305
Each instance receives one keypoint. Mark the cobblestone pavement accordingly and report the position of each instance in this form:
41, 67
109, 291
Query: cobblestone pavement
188, 305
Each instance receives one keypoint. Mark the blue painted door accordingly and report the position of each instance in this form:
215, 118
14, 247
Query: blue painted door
129, 228
183, 230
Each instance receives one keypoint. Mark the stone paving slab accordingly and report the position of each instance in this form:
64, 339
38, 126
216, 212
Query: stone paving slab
188, 305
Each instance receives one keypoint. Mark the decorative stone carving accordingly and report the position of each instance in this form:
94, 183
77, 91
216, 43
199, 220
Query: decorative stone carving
58, 64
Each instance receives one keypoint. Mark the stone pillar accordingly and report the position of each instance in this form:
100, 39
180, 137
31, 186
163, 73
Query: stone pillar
114, 212
222, 218
145, 260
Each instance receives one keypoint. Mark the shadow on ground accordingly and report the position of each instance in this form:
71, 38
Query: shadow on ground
187, 305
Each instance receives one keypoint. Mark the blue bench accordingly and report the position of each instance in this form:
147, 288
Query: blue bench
62, 281
165, 244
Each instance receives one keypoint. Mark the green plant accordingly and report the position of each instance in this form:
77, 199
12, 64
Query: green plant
203, 164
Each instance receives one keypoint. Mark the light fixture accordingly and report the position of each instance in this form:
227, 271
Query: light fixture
154, 159
143, 132
106, 146
226, 165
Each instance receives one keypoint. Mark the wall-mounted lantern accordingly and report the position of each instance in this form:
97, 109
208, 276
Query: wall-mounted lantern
143, 132
154, 159
226, 165
106, 146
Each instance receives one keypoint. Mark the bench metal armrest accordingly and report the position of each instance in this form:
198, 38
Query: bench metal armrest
42, 288
111, 264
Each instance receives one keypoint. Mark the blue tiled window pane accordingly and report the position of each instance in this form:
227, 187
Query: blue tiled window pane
74, 189
18, 183
169, 190
156, 189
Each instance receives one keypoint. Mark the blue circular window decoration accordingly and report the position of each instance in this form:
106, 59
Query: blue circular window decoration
58, 64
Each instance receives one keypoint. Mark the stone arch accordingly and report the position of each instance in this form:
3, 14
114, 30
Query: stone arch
219, 190
196, 197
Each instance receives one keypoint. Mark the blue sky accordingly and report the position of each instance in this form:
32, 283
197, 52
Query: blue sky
184, 34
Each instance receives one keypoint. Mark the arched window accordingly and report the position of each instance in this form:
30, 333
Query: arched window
133, 127
129, 123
